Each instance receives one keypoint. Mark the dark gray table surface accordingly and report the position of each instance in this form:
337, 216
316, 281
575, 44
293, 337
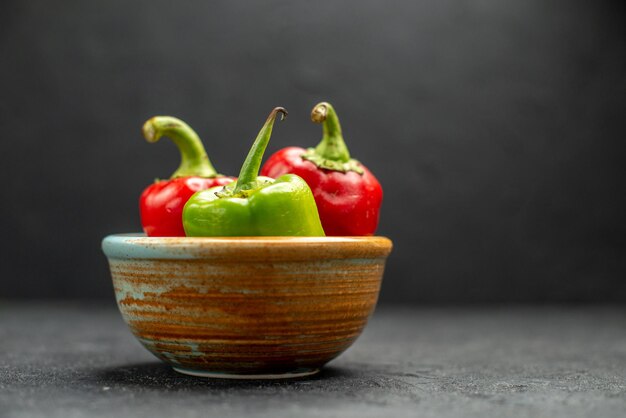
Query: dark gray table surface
67, 360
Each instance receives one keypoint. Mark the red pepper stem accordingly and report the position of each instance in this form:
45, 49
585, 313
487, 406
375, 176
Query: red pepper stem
332, 147
194, 160
250, 168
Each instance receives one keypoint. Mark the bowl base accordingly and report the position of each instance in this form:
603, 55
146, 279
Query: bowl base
264, 376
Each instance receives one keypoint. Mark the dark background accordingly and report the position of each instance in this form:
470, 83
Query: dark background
496, 127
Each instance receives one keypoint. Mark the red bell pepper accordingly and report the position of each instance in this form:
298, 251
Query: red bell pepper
161, 204
347, 194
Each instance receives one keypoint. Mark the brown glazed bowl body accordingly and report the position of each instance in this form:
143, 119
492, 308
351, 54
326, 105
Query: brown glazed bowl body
258, 307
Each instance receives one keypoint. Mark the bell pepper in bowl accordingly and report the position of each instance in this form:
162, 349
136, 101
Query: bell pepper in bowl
161, 204
253, 205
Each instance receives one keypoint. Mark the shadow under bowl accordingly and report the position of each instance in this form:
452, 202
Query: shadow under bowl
257, 307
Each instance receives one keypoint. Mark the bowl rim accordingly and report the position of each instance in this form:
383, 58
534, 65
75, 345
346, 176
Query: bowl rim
140, 246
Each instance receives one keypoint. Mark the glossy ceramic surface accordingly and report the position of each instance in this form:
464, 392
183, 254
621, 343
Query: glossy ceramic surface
246, 307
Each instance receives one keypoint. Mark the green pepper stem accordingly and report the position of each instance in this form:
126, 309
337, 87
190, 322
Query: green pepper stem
194, 160
250, 168
332, 147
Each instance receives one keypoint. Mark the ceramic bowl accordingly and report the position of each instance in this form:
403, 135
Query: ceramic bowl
259, 307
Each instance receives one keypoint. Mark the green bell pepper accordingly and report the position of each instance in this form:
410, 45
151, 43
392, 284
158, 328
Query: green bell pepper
254, 205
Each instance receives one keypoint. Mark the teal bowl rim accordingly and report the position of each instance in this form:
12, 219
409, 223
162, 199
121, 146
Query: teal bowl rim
136, 246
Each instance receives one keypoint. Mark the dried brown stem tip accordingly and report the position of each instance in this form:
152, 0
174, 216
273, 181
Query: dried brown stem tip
319, 113
283, 112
